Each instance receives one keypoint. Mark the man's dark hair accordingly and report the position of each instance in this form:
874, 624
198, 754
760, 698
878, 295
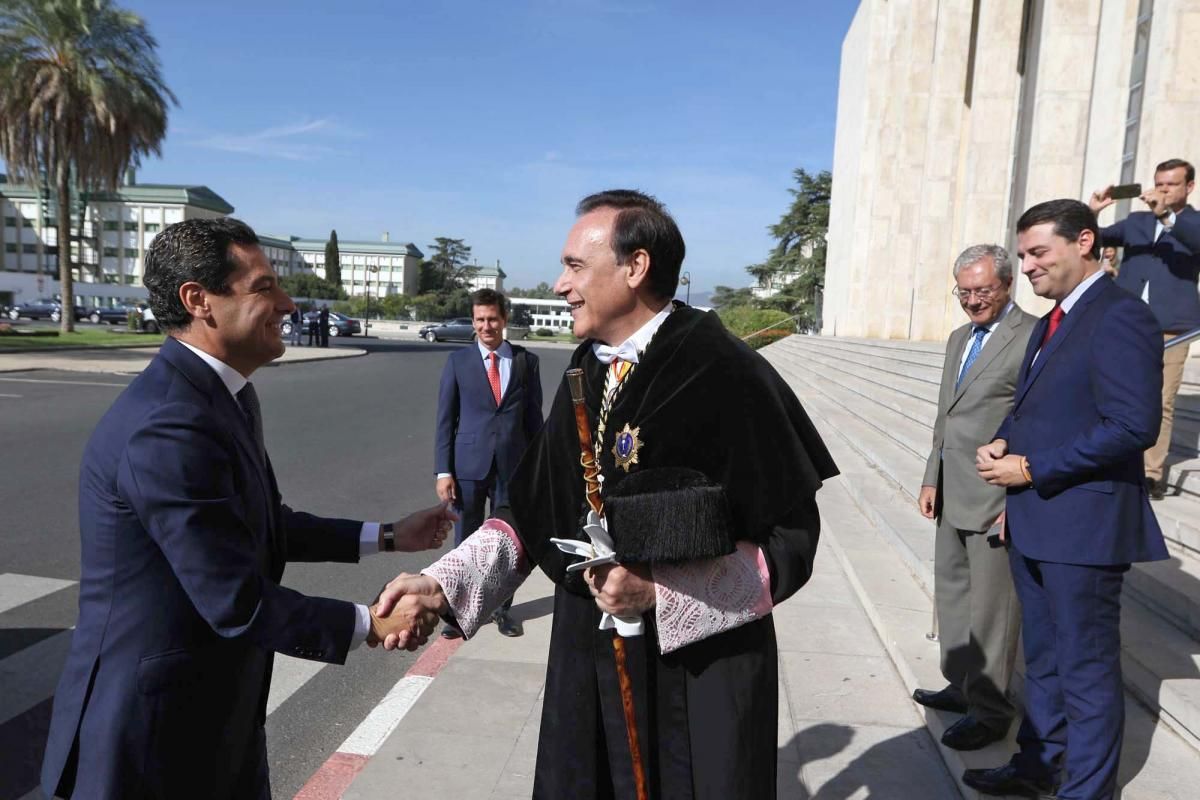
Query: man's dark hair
642, 223
1176, 163
1070, 218
193, 250
490, 297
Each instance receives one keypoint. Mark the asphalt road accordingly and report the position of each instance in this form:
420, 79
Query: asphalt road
348, 437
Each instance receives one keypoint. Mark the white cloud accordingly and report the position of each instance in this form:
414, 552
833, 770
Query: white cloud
292, 142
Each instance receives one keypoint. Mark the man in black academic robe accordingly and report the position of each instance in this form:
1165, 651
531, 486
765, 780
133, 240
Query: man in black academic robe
710, 469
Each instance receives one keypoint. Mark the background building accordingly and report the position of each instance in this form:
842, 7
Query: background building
119, 227
552, 314
953, 118
487, 278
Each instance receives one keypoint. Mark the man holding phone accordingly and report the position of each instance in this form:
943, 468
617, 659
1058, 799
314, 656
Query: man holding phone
1161, 264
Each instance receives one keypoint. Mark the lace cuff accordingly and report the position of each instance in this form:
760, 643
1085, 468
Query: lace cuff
701, 598
481, 573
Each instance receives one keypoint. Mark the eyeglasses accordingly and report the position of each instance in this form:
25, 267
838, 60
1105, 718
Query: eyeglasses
983, 294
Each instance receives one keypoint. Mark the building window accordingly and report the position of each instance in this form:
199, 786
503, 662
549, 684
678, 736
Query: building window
10, 222
26, 222
130, 226
131, 279
10, 247
1137, 85
29, 248
152, 227
110, 252
112, 225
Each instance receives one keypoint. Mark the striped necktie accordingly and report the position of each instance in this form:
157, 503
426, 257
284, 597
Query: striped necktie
972, 354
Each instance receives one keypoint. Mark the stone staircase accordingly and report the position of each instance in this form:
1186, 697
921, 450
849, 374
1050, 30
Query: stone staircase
875, 403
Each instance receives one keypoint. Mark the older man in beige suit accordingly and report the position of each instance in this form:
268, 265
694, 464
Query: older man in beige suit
977, 608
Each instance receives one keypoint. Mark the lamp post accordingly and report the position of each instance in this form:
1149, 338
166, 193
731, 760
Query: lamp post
686, 280
372, 269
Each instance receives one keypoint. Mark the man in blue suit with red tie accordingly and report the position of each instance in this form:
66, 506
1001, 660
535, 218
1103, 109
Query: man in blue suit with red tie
489, 408
184, 539
1088, 403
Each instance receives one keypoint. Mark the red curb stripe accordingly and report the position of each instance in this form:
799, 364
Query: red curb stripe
334, 777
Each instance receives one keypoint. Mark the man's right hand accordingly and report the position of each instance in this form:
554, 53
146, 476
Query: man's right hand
407, 624
401, 596
926, 501
1101, 199
447, 492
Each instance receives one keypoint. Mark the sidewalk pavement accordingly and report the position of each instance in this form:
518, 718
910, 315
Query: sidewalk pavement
847, 728
131, 360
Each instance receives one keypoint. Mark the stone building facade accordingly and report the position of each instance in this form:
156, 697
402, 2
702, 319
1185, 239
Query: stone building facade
956, 115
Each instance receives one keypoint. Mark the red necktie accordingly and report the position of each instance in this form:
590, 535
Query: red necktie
1056, 317
494, 376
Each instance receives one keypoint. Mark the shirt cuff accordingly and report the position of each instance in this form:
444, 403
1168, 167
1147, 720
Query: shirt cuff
362, 625
368, 538
441, 475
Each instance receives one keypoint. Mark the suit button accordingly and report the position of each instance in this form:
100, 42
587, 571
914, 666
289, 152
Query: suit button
1016, 416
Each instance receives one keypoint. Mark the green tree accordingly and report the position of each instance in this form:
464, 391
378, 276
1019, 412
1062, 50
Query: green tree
543, 291
333, 260
312, 286
726, 296
798, 258
448, 267
83, 100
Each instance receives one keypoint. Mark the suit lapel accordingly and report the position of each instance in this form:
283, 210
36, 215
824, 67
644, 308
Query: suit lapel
206, 381
516, 375
1000, 338
1069, 322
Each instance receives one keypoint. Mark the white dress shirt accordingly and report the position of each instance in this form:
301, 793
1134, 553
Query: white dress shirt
368, 537
632, 348
990, 327
1160, 226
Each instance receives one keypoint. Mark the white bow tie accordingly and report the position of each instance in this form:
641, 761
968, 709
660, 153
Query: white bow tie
626, 352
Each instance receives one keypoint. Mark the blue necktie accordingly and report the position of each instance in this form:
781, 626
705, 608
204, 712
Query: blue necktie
972, 354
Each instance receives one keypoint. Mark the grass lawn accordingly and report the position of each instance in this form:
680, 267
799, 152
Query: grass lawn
86, 337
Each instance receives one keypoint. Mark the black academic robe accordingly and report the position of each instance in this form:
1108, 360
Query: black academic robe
707, 713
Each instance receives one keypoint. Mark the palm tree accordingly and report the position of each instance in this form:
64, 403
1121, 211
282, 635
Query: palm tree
82, 99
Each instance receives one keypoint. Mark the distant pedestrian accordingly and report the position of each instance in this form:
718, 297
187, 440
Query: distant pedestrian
314, 339
297, 322
323, 325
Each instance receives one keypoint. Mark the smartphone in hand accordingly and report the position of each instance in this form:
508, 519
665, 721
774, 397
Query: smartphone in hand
1125, 191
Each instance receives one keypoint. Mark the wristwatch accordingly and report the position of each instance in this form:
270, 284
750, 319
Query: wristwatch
389, 537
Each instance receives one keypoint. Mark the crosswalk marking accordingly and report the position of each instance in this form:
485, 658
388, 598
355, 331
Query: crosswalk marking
16, 590
30, 675
384, 718
287, 676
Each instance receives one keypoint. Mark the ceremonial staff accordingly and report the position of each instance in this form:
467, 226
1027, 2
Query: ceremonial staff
591, 480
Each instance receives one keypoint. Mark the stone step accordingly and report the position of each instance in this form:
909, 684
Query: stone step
883, 477
888, 441
919, 379
911, 397
1156, 762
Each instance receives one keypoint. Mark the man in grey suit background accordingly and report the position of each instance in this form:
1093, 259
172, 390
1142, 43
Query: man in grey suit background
978, 613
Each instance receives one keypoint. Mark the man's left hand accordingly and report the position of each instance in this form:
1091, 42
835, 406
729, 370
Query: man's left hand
622, 591
1157, 201
1004, 471
425, 530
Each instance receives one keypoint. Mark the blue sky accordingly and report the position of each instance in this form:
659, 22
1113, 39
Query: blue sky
487, 121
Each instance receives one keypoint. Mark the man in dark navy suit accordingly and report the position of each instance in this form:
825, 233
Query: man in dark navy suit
184, 540
489, 408
1161, 265
1069, 452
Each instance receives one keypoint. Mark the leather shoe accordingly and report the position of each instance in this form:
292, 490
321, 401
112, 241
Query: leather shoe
507, 625
1007, 780
451, 632
948, 699
1156, 489
970, 734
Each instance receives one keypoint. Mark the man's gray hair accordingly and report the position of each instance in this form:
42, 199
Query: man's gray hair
978, 252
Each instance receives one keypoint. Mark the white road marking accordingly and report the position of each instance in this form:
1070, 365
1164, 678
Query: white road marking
287, 676
16, 590
68, 383
383, 719
10, 395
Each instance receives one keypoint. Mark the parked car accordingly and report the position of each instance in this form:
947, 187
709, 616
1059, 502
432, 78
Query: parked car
113, 315
454, 330
339, 324
43, 309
